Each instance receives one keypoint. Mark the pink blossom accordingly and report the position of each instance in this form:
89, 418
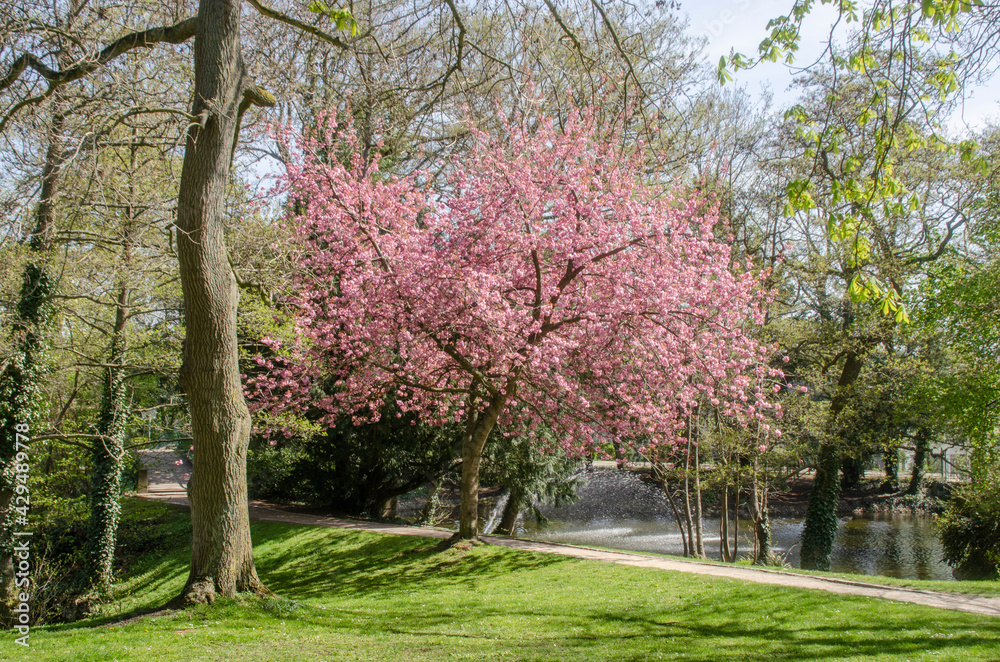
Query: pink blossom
550, 278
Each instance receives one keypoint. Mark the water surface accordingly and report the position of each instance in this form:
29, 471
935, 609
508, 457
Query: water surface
619, 511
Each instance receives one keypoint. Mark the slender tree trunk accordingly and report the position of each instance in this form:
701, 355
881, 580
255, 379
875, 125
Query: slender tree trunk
108, 453
688, 517
222, 555
724, 552
761, 523
473, 443
736, 523
108, 457
821, 511
20, 382
665, 484
699, 530
619, 455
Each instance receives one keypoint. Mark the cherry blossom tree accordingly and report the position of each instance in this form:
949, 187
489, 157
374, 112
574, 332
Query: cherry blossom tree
553, 281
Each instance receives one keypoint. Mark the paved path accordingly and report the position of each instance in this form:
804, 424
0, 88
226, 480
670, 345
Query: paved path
166, 478
260, 511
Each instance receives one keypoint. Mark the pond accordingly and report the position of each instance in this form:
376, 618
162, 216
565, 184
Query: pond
619, 511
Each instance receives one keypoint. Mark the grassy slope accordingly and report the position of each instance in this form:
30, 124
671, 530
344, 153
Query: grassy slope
364, 596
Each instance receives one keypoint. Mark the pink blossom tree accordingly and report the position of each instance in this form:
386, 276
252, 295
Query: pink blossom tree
552, 282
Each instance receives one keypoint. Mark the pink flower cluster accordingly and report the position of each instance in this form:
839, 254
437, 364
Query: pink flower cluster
553, 275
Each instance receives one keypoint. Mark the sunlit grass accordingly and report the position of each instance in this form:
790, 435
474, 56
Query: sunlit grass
348, 595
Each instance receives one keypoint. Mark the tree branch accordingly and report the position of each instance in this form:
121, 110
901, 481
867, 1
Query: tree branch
294, 22
173, 34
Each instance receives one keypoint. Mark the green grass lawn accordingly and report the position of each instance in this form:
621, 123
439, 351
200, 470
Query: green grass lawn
349, 595
989, 589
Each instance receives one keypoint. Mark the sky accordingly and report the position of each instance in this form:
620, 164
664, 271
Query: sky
742, 24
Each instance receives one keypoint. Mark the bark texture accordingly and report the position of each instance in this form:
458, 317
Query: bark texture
222, 556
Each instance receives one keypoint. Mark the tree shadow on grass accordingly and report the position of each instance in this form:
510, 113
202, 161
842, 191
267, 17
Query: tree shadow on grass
795, 625
496, 602
331, 562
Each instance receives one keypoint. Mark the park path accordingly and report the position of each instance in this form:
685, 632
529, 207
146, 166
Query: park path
260, 511
167, 473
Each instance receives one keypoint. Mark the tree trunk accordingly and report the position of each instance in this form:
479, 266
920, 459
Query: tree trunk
724, 552
108, 453
699, 530
20, 382
429, 513
736, 524
222, 555
665, 484
108, 456
472, 455
821, 511
890, 463
688, 517
761, 523
852, 470
920, 452
389, 509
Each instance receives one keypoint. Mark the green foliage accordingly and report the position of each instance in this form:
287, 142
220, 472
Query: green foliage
527, 472
342, 18
59, 572
961, 303
353, 468
970, 531
875, 114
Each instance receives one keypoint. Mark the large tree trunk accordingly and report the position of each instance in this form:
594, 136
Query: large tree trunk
821, 512
222, 556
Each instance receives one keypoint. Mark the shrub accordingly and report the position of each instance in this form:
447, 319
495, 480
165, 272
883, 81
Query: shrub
970, 532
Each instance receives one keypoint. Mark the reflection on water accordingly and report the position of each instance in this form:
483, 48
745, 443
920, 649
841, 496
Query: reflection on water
621, 512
